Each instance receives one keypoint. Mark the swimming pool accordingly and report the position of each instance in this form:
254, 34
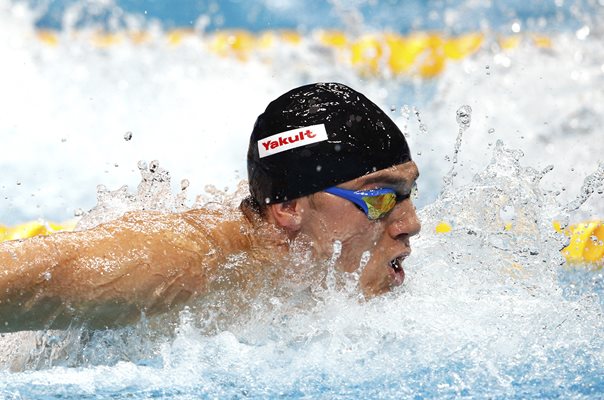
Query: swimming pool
486, 311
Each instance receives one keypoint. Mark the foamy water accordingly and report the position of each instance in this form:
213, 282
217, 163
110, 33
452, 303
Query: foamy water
483, 312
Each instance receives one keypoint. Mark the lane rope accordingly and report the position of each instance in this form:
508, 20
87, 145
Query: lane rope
418, 54
586, 244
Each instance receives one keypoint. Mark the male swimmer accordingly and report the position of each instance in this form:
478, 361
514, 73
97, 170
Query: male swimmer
325, 166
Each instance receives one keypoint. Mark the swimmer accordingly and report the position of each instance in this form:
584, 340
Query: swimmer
327, 169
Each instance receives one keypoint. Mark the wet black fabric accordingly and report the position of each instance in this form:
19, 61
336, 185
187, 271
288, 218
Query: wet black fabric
361, 139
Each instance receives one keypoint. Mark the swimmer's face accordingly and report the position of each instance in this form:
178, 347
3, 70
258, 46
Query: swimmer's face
327, 219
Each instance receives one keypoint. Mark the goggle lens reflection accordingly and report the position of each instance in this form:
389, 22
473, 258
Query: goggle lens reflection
374, 203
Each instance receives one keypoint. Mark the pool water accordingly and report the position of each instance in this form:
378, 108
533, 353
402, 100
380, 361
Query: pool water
488, 310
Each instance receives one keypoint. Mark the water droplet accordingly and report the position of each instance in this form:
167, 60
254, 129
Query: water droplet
153, 166
267, 200
142, 165
464, 116
46, 275
127, 136
491, 130
364, 259
319, 168
116, 165
18, 183
78, 212
422, 127
337, 249
507, 213
184, 184
337, 147
392, 108
63, 140
547, 169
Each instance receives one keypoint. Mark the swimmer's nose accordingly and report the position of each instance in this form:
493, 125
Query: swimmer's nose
403, 221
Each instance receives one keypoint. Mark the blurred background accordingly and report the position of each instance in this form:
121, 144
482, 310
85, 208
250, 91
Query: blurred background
92, 87
402, 16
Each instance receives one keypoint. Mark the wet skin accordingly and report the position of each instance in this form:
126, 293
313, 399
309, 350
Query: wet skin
323, 219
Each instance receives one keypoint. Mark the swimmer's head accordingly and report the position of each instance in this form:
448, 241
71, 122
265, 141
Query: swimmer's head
318, 136
333, 171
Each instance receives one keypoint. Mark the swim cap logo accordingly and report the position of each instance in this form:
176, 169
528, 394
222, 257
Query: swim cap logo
291, 139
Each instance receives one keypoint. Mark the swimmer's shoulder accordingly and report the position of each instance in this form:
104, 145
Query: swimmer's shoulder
228, 226
206, 217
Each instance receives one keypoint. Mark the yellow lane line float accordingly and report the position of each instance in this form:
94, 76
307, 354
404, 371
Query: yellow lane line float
420, 54
33, 228
586, 242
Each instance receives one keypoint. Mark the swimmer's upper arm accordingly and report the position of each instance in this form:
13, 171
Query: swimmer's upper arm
108, 275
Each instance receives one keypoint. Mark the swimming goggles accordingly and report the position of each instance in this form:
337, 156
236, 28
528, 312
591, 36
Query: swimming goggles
375, 203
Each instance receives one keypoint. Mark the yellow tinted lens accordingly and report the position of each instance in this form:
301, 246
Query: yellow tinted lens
380, 205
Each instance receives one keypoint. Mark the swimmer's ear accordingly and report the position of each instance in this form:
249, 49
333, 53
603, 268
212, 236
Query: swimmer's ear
287, 215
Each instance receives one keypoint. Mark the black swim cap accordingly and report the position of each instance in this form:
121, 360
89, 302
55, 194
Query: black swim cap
317, 136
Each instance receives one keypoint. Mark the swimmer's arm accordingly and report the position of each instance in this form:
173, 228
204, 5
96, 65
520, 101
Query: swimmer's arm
107, 276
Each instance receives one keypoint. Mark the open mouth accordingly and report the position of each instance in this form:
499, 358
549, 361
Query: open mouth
397, 271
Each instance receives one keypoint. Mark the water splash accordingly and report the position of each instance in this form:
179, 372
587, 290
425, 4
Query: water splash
154, 193
422, 128
464, 119
338, 281
405, 113
592, 183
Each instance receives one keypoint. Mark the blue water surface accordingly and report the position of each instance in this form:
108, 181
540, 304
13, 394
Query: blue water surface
401, 16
